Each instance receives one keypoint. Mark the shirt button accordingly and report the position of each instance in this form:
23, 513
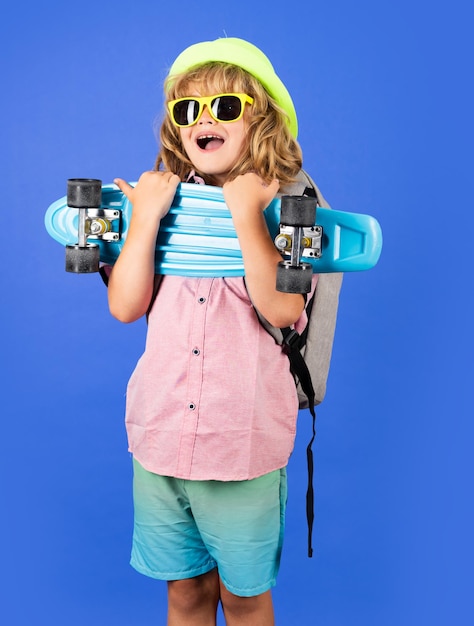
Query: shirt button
191, 406
196, 352
201, 300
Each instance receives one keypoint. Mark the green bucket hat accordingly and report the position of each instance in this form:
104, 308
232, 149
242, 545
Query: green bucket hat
245, 55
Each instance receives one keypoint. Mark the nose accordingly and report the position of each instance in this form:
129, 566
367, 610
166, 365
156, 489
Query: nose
206, 118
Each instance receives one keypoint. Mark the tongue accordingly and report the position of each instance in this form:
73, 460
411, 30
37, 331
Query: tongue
213, 144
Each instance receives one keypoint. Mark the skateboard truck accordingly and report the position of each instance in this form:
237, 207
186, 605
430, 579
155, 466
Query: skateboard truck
85, 194
298, 237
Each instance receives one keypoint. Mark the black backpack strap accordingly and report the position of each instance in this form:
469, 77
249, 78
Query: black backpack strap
310, 192
104, 274
293, 343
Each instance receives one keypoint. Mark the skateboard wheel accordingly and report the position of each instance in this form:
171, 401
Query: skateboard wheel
294, 278
82, 259
298, 211
84, 193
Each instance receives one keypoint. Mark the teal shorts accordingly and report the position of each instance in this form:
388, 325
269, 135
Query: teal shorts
185, 528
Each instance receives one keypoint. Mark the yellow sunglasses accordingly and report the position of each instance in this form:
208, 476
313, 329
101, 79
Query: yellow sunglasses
225, 107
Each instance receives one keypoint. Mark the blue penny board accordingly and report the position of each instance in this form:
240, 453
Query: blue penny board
197, 236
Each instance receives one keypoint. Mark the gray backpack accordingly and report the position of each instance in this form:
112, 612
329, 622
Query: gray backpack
315, 344
310, 352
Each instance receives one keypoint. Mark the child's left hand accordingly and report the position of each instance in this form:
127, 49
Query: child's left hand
248, 193
247, 196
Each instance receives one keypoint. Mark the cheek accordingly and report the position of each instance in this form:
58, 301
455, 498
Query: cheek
185, 137
183, 133
241, 137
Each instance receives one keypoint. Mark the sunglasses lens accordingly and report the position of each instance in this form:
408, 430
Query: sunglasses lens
226, 108
185, 112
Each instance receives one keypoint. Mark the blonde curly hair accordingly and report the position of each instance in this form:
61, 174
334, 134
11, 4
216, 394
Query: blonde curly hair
270, 150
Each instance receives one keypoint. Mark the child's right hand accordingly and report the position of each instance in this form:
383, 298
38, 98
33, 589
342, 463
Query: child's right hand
131, 280
152, 196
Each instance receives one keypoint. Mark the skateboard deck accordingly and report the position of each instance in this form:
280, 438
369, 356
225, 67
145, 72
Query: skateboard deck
197, 236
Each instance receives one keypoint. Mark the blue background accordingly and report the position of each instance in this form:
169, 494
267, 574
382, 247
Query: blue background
383, 93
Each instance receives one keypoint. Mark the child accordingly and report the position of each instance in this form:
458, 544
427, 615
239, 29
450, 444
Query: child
211, 406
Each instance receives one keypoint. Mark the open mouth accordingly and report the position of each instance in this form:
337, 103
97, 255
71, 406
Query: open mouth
209, 142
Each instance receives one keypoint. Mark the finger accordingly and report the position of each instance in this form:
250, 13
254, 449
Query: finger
169, 176
174, 179
124, 187
275, 185
271, 189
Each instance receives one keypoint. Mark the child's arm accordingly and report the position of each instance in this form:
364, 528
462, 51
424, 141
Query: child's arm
131, 280
247, 197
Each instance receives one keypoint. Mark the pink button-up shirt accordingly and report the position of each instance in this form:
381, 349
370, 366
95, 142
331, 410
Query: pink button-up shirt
212, 397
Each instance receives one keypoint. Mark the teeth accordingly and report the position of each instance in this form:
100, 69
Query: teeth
204, 140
